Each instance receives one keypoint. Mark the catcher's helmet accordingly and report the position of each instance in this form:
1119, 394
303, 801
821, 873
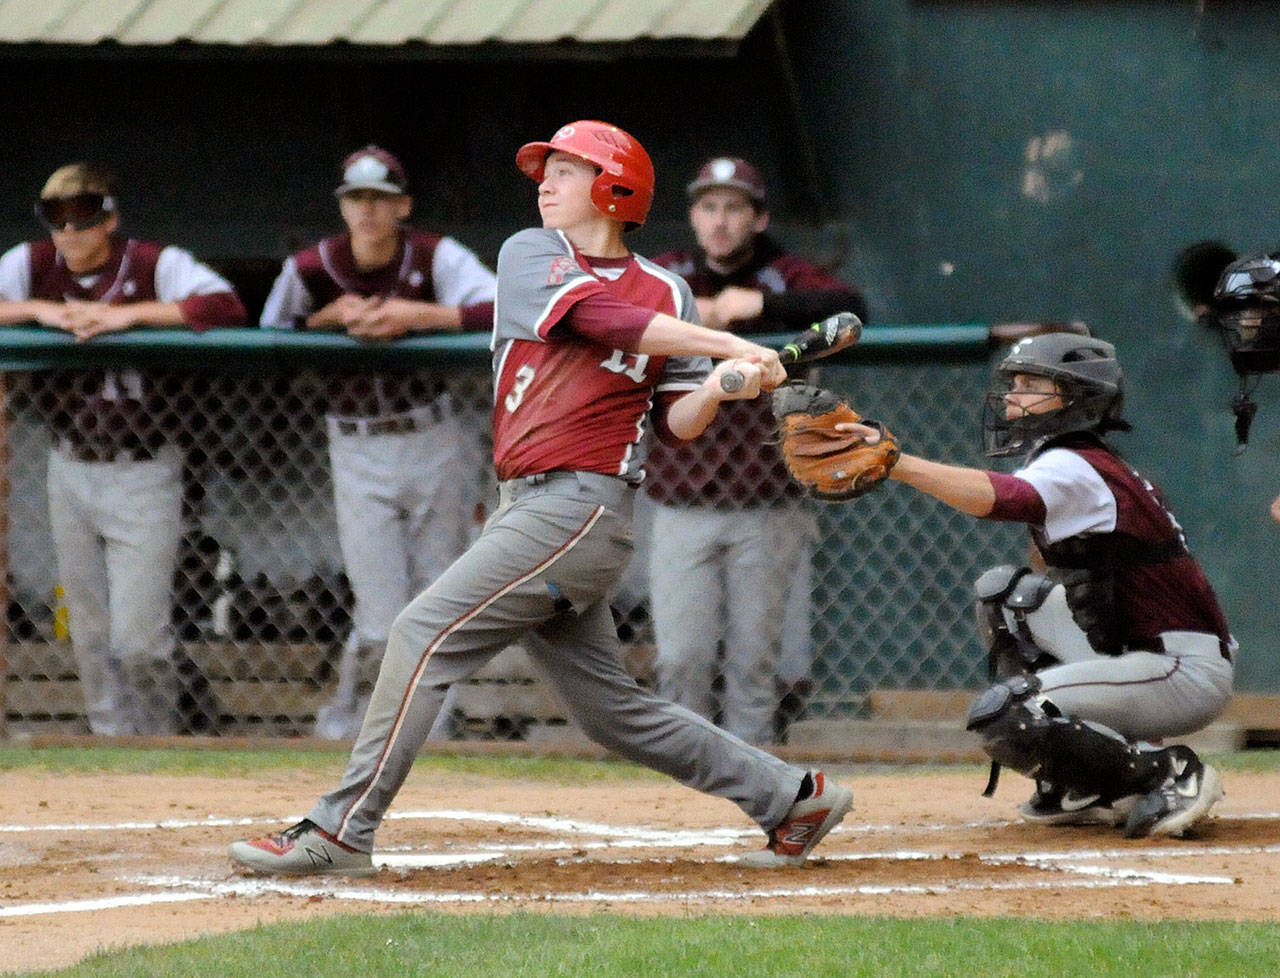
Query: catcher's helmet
1089, 380
624, 188
1247, 306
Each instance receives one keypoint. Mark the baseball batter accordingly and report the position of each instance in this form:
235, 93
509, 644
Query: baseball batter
589, 352
114, 480
1121, 642
396, 445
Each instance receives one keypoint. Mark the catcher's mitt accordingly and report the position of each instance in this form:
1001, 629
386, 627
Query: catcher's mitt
831, 465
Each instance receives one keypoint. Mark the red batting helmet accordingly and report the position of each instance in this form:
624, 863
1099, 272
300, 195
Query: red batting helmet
624, 189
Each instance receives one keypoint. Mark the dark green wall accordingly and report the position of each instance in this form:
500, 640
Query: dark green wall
928, 115
905, 155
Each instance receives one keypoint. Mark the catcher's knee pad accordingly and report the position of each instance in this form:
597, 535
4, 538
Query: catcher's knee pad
1024, 731
1006, 595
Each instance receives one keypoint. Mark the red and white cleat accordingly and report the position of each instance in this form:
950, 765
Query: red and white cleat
304, 849
805, 824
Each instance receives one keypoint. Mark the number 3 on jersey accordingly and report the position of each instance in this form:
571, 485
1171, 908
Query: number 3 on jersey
524, 377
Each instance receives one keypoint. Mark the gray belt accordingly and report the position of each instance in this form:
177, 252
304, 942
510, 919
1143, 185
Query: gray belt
418, 420
87, 452
608, 488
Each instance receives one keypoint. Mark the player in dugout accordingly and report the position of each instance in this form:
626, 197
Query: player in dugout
592, 346
115, 473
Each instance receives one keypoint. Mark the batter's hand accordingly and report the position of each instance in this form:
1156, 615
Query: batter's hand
1275, 509
748, 368
774, 373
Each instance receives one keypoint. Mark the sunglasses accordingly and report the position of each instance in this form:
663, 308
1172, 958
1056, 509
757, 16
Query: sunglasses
82, 211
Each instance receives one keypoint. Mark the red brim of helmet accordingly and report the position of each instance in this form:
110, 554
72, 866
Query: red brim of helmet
532, 159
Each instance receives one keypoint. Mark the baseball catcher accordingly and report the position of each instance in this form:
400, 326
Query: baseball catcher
1119, 642
832, 462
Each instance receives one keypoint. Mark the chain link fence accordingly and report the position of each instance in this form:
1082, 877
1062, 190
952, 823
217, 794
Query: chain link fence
262, 608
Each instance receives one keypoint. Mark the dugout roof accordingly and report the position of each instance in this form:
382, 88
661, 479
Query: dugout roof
425, 25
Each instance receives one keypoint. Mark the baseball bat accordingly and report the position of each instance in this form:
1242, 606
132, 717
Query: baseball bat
832, 335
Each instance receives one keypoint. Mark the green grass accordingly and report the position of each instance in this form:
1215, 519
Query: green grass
202, 758
537, 946
215, 761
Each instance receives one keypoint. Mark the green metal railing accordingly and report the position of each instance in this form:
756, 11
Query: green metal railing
40, 348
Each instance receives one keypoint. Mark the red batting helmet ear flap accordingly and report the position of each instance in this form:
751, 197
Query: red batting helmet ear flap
624, 188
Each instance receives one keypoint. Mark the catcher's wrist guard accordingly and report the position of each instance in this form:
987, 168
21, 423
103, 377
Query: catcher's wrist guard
832, 465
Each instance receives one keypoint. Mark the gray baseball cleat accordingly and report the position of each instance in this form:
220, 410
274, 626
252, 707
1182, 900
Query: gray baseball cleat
304, 849
1185, 797
804, 826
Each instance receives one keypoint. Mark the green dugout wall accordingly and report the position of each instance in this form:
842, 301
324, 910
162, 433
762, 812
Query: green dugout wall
959, 161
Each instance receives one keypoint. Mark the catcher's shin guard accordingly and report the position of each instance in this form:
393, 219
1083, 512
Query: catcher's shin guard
1023, 731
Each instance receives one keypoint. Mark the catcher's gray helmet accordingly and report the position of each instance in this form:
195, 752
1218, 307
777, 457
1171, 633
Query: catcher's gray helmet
1089, 380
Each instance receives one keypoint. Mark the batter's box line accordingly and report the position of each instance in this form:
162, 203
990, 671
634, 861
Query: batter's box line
1185, 851
244, 888
176, 889
1057, 863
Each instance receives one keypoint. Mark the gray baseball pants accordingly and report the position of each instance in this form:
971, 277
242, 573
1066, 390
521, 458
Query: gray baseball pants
1141, 695
723, 574
540, 573
116, 528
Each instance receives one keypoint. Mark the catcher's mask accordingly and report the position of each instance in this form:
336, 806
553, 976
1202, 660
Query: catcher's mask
1246, 310
1088, 379
1247, 304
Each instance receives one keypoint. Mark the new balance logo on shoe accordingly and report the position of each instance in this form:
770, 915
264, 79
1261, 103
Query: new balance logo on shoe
300, 850
804, 826
796, 834
320, 857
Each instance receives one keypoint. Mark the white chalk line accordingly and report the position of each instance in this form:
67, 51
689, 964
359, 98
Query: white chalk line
547, 823
274, 887
104, 903
1080, 866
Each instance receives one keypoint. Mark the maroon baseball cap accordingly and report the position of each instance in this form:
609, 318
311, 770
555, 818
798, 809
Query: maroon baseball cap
729, 171
372, 168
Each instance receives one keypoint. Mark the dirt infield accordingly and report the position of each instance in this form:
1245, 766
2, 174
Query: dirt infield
103, 861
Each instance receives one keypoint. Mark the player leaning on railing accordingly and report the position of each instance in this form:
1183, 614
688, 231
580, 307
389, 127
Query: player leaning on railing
115, 478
